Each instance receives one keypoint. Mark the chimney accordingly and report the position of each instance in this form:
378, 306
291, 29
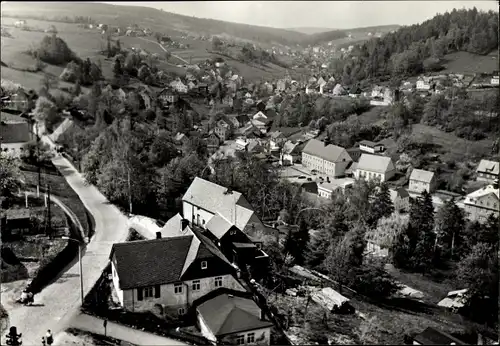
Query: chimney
158, 235
184, 224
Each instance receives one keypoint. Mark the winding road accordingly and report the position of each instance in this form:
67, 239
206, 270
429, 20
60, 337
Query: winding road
61, 300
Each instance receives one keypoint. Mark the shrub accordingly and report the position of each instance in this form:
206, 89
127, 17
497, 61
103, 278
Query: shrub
54, 50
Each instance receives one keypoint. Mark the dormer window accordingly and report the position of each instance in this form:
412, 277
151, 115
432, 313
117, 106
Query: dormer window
204, 265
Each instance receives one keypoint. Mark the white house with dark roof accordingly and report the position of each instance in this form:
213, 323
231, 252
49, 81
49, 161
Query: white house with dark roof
371, 147
14, 134
232, 318
488, 170
327, 188
325, 158
422, 180
166, 275
481, 203
204, 199
375, 167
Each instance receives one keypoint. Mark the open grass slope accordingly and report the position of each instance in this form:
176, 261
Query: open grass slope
464, 62
155, 19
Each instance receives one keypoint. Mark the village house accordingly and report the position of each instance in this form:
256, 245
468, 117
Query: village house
168, 97
281, 85
262, 123
223, 130
178, 86
166, 275
290, 153
226, 317
371, 147
375, 167
423, 83
276, 139
482, 203
14, 134
328, 187
213, 141
355, 92
339, 90
422, 180
181, 139
227, 100
494, 80
204, 199
487, 171
400, 199
325, 158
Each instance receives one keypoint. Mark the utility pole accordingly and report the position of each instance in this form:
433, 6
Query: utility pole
49, 226
38, 162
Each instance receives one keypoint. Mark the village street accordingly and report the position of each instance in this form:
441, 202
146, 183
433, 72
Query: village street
59, 302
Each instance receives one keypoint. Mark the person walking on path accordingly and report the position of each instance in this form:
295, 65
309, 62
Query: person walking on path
49, 338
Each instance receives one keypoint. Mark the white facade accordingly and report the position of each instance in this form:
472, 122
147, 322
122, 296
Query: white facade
195, 214
173, 296
13, 149
480, 204
495, 81
334, 169
377, 148
423, 85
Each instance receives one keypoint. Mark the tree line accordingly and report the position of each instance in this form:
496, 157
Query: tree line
413, 49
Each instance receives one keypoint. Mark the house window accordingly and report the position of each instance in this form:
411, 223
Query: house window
178, 288
180, 311
148, 292
240, 340
203, 264
218, 281
250, 338
196, 285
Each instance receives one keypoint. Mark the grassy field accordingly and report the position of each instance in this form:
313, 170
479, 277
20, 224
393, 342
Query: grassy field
450, 143
464, 62
59, 188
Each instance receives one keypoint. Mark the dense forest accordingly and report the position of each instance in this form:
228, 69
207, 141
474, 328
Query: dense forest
421, 47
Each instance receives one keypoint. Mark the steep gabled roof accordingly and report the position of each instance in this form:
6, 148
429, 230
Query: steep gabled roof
228, 314
218, 225
216, 199
421, 175
375, 163
162, 261
328, 152
150, 262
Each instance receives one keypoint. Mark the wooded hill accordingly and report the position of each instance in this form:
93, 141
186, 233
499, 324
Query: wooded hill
414, 49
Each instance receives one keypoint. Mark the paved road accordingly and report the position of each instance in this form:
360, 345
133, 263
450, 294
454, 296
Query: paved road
117, 331
60, 301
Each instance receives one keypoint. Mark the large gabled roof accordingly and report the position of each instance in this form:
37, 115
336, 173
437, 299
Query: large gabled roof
162, 261
218, 199
375, 163
421, 175
328, 152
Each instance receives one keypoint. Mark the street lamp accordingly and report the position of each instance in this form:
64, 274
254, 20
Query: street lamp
79, 260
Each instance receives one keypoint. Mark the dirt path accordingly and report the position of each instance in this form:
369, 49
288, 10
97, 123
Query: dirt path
165, 50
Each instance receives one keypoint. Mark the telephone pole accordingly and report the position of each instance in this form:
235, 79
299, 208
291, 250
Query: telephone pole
49, 223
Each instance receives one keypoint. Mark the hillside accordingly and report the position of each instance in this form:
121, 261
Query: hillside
157, 20
355, 35
422, 48
310, 30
